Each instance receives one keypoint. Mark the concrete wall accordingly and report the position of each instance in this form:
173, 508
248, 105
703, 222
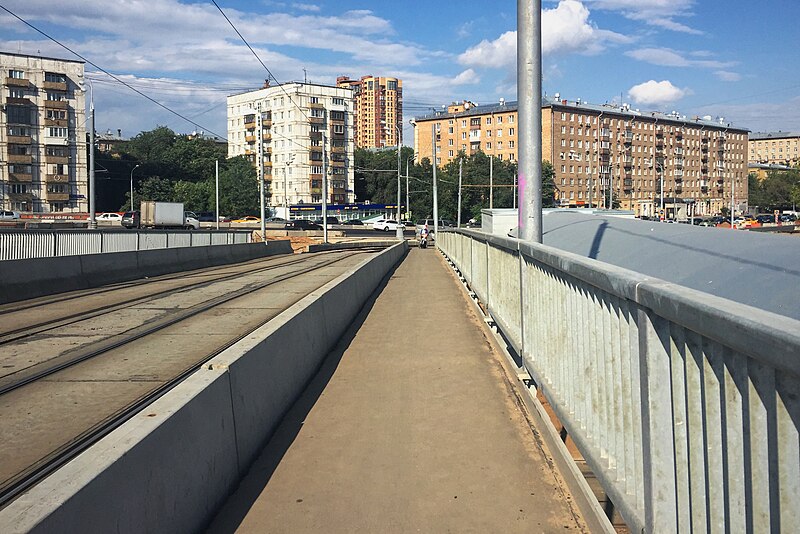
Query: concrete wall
25, 279
169, 468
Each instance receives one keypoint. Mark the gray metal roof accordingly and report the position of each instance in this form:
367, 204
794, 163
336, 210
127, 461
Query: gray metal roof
757, 269
610, 109
760, 136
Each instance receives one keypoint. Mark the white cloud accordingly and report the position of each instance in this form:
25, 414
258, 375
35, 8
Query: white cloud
766, 116
659, 13
666, 57
656, 93
467, 77
728, 76
566, 29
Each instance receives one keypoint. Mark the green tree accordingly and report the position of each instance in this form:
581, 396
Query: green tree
196, 196
238, 186
156, 188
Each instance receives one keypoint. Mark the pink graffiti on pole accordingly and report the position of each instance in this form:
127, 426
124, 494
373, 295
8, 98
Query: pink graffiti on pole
521, 188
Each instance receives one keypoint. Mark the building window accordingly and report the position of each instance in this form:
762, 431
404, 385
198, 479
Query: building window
55, 77
511, 131
17, 74
488, 120
56, 114
56, 96
511, 144
338, 101
511, 119
19, 189
57, 132
338, 128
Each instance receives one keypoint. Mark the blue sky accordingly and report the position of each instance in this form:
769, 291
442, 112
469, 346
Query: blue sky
733, 59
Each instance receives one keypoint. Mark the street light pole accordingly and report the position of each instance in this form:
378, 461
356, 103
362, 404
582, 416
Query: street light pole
408, 200
460, 161
133, 169
399, 198
435, 185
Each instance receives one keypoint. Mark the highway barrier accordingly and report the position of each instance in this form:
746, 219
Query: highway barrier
685, 405
171, 467
27, 244
31, 278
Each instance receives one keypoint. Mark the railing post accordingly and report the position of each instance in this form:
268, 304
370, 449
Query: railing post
657, 435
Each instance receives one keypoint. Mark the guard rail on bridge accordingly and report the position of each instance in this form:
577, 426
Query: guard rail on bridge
20, 245
685, 405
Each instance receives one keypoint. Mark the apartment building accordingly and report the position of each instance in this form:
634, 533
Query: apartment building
597, 150
42, 135
377, 110
774, 148
296, 130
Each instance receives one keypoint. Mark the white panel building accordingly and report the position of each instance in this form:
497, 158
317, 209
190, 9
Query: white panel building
42, 135
297, 130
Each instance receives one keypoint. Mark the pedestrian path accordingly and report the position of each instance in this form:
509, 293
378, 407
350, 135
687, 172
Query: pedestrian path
411, 426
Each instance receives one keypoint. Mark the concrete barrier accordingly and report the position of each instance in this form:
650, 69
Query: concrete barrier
30, 278
169, 468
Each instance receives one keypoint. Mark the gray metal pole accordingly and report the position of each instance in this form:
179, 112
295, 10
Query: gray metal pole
435, 185
529, 94
733, 194
491, 182
216, 195
662, 215
260, 156
325, 186
133, 169
408, 200
92, 192
399, 233
460, 161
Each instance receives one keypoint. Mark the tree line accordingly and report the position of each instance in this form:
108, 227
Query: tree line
780, 190
181, 168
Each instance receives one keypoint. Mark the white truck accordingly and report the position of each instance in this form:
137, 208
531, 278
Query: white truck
166, 215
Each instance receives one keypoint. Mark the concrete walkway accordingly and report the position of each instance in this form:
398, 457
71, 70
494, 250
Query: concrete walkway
411, 426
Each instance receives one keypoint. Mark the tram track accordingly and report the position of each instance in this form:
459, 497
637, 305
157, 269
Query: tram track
24, 476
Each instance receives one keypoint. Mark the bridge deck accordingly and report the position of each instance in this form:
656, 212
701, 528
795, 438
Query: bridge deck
411, 425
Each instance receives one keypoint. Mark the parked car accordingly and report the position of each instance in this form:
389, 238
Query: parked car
109, 219
354, 222
247, 219
386, 225
131, 219
7, 215
330, 220
274, 220
206, 216
787, 218
765, 218
302, 224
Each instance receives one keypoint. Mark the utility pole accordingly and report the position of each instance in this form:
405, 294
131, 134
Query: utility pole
92, 192
216, 191
133, 169
460, 161
529, 91
408, 200
325, 185
435, 185
260, 155
491, 182
399, 230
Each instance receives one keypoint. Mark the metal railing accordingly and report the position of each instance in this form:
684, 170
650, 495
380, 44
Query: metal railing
685, 405
18, 245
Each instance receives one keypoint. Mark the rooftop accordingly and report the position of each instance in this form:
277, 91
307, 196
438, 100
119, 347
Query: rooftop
757, 136
621, 110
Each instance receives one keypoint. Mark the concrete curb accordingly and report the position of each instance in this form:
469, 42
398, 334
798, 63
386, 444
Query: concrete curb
36, 277
169, 468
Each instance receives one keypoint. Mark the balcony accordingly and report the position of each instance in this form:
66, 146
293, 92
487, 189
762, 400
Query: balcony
55, 86
315, 136
678, 151
627, 184
22, 197
267, 164
20, 177
315, 176
335, 163
56, 159
56, 104
679, 188
17, 82
20, 139
250, 138
56, 122
338, 150
266, 123
20, 158
19, 101
628, 137
659, 132
720, 180
57, 196
720, 165
679, 162
316, 120
316, 105
57, 178
266, 137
